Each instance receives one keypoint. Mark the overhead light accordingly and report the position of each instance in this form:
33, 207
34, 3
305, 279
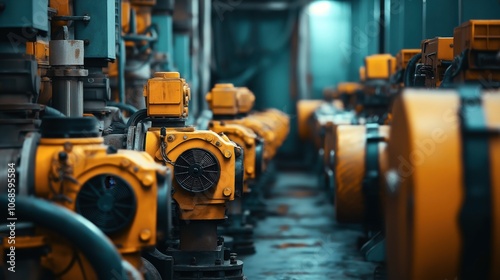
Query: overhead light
320, 8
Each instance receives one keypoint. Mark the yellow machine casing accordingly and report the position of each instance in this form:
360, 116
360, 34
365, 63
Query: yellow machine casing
305, 109
167, 97
65, 167
225, 99
362, 73
425, 186
247, 140
478, 36
349, 170
379, 66
279, 121
171, 98
348, 88
434, 52
404, 56
209, 204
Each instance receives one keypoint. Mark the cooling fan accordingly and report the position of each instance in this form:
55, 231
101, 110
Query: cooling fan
196, 170
107, 201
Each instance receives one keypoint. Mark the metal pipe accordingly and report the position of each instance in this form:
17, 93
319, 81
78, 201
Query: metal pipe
424, 19
121, 71
198, 236
459, 12
96, 247
52, 112
123, 106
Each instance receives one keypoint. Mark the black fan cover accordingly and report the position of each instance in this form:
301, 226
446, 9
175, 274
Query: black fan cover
107, 201
196, 170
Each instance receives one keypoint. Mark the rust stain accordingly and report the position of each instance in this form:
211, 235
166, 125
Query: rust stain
284, 227
77, 53
282, 209
297, 245
302, 193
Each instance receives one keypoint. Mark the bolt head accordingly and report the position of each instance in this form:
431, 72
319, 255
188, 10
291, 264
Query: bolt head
148, 181
227, 192
145, 235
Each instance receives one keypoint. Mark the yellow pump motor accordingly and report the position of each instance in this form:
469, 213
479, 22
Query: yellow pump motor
277, 120
226, 102
403, 58
443, 188
305, 109
124, 193
202, 161
207, 169
360, 160
233, 105
476, 46
437, 54
372, 103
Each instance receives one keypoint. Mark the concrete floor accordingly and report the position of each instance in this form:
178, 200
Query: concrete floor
300, 239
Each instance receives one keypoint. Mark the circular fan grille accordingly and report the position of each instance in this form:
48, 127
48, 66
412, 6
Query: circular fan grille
196, 170
108, 202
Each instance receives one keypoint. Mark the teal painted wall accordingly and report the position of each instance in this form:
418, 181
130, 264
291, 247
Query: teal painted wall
254, 49
330, 43
404, 26
365, 28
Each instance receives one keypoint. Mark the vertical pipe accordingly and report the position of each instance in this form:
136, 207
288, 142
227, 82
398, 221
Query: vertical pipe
381, 38
192, 240
206, 27
121, 71
459, 12
304, 55
424, 19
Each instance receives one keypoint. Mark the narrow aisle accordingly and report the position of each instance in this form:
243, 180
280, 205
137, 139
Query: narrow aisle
301, 240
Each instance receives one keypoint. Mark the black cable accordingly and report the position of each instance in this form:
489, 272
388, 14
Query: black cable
69, 266
410, 70
459, 64
82, 268
137, 117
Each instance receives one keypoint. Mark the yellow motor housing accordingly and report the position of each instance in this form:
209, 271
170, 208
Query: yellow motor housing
225, 99
204, 169
362, 73
171, 96
305, 110
481, 40
426, 189
404, 56
207, 167
434, 52
279, 121
379, 66
350, 166
246, 139
116, 190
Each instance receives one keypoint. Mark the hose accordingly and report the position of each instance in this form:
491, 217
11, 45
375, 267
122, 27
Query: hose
95, 246
123, 106
459, 64
137, 117
52, 112
410, 70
